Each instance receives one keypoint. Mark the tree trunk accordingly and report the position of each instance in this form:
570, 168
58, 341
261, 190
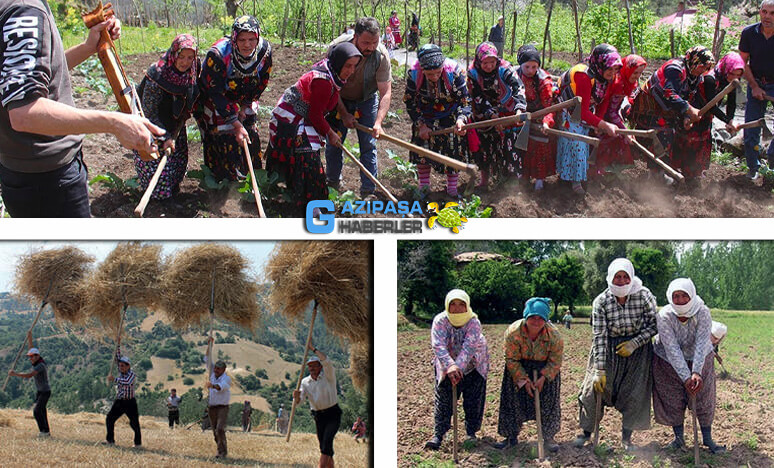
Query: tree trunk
629, 22
526, 29
577, 30
545, 34
513, 33
716, 36
439, 23
285, 23
467, 33
231, 8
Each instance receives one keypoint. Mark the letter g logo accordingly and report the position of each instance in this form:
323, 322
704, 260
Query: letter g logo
326, 218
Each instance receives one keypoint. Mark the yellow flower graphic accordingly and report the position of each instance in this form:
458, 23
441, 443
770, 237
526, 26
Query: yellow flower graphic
232, 84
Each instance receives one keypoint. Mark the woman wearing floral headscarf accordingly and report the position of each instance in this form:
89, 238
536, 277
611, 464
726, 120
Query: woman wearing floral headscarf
531, 344
665, 101
298, 128
728, 69
590, 82
538, 162
234, 75
623, 320
168, 93
496, 91
615, 151
461, 358
683, 365
437, 97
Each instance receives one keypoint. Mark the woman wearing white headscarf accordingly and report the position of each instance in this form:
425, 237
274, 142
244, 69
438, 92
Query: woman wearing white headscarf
683, 366
623, 320
461, 358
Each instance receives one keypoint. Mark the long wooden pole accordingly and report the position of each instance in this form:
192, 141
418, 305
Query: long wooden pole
545, 33
445, 160
629, 22
662, 164
301, 374
577, 30
573, 136
34, 322
597, 411
256, 192
719, 97
538, 419
146, 196
454, 422
118, 337
716, 35
368, 174
695, 432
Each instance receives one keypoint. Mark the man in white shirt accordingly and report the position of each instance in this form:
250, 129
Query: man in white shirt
319, 387
220, 394
173, 407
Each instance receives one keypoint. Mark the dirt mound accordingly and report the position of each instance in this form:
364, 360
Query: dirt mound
722, 193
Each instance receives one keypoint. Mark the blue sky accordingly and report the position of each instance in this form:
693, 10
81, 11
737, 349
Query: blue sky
257, 252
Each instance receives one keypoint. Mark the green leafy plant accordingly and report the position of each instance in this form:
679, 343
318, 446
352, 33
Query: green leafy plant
267, 185
402, 167
207, 179
192, 133
340, 198
112, 181
752, 441
472, 208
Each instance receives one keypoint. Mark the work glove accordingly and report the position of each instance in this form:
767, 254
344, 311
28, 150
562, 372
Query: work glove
625, 349
600, 380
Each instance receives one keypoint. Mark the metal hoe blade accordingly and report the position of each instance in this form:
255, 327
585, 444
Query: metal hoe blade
523, 139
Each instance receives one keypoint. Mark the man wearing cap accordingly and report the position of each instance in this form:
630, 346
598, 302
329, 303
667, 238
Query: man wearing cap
220, 394
358, 102
125, 403
40, 373
497, 35
319, 387
173, 406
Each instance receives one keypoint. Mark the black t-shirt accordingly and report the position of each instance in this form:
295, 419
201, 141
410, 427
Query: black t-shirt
32, 66
761, 50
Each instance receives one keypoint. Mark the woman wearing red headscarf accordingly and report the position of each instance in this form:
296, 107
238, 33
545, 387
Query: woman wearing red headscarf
167, 93
615, 151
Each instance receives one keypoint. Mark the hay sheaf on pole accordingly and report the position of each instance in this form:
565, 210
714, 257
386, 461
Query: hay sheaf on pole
63, 272
131, 274
187, 287
360, 366
335, 273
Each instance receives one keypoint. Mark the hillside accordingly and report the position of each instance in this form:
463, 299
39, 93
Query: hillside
76, 441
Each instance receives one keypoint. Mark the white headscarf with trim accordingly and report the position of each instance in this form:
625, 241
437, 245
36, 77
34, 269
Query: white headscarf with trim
686, 310
622, 264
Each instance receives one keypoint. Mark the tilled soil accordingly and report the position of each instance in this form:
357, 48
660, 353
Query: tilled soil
737, 416
723, 192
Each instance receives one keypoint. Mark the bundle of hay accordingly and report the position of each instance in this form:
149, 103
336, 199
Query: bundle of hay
131, 273
67, 267
187, 284
360, 366
334, 273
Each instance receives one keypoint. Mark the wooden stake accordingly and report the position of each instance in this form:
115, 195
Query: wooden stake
538, 419
577, 30
140, 209
695, 432
716, 36
301, 374
34, 322
597, 412
545, 33
454, 422
629, 22
256, 192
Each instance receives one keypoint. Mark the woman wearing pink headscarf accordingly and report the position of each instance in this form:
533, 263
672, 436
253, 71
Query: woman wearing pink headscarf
729, 68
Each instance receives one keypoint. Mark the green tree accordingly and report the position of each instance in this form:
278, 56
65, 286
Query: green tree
561, 279
496, 288
654, 268
424, 276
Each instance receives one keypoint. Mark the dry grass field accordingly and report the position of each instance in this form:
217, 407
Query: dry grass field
76, 441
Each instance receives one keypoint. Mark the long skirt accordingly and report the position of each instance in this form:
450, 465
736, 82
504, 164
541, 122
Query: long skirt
692, 151
670, 398
539, 161
224, 156
451, 145
572, 156
628, 389
291, 156
172, 174
472, 390
647, 114
497, 151
614, 153
517, 407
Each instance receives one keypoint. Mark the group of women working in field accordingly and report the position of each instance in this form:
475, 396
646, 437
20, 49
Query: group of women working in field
638, 354
222, 93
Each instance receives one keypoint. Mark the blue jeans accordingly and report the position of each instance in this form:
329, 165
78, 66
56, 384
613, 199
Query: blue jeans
333, 158
62, 193
755, 110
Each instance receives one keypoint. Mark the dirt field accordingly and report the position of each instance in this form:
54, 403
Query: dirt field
75, 441
742, 418
722, 193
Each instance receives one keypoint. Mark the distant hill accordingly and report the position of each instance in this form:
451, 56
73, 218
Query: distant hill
263, 365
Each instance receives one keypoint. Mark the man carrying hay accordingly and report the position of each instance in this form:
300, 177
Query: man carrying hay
173, 406
220, 395
319, 387
40, 373
125, 403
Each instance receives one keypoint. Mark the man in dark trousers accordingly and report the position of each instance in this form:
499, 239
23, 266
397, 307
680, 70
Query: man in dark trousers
125, 403
40, 373
173, 407
42, 170
756, 46
497, 36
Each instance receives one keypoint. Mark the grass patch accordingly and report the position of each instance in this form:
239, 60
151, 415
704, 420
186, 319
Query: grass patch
135, 40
